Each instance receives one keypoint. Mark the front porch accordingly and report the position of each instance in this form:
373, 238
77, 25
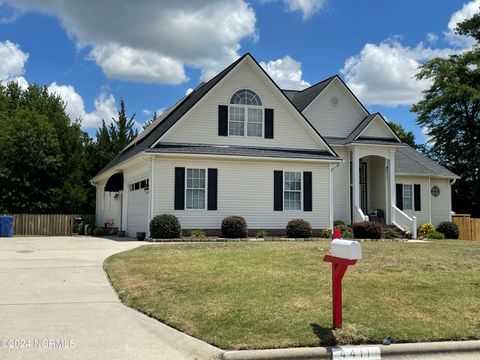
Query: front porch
372, 186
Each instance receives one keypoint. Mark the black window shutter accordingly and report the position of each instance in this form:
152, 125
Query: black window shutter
278, 190
417, 197
400, 196
212, 189
179, 188
307, 191
222, 120
269, 123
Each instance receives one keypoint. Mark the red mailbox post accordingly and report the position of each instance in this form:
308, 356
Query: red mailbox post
339, 267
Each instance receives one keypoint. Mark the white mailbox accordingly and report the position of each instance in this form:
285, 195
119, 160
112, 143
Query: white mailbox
346, 249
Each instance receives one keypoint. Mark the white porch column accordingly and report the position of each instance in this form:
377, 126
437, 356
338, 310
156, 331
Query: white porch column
124, 209
356, 183
391, 186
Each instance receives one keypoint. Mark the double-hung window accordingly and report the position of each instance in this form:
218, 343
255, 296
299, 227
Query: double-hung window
407, 197
292, 190
195, 189
245, 114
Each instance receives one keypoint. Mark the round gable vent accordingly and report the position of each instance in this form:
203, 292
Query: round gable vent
334, 101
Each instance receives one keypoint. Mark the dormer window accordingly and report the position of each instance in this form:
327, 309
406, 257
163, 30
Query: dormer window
245, 114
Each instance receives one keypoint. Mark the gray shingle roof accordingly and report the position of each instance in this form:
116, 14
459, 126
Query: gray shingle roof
363, 140
410, 161
235, 150
301, 99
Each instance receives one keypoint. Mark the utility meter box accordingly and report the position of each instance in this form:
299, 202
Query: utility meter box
346, 249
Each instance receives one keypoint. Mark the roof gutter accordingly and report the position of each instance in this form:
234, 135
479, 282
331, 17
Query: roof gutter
239, 157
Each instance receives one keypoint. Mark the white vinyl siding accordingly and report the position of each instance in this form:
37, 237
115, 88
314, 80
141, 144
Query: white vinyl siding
201, 124
335, 121
195, 188
377, 129
292, 190
245, 188
440, 205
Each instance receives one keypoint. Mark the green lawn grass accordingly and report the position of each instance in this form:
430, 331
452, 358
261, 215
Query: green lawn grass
270, 295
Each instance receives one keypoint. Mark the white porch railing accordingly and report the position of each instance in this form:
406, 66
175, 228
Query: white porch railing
359, 215
403, 221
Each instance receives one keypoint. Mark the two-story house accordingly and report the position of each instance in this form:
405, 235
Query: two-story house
240, 145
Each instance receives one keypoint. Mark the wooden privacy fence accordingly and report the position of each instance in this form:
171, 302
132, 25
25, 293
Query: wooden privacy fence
46, 224
469, 228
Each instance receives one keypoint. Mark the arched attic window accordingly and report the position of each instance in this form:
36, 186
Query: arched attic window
245, 114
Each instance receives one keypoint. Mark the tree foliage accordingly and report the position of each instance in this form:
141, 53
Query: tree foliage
47, 160
406, 136
450, 111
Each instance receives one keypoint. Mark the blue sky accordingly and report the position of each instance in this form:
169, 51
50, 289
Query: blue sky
92, 55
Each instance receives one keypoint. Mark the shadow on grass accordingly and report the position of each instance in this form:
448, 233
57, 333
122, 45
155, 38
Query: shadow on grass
324, 334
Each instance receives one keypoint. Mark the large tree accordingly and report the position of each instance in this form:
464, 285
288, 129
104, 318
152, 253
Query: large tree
450, 112
43, 165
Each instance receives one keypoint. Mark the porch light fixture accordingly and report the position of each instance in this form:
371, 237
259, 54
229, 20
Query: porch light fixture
146, 189
116, 196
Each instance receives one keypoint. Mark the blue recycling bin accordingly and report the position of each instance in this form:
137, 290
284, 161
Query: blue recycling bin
6, 226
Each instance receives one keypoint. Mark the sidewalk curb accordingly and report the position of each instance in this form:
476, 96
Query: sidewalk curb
387, 351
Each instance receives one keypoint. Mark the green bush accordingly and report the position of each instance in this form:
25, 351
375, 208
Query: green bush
261, 234
299, 228
347, 232
449, 229
424, 229
234, 227
326, 233
199, 234
435, 235
165, 226
389, 234
100, 231
367, 230
338, 222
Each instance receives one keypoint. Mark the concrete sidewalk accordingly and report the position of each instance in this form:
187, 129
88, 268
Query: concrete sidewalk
56, 303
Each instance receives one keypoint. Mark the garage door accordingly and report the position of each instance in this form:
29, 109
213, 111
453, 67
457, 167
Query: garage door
137, 212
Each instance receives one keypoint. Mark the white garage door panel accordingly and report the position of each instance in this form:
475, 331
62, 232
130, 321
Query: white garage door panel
137, 212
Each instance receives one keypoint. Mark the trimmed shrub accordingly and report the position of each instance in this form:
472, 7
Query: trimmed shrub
165, 226
449, 229
367, 230
299, 228
338, 222
234, 227
100, 231
424, 229
261, 234
199, 234
347, 232
435, 235
326, 233
389, 234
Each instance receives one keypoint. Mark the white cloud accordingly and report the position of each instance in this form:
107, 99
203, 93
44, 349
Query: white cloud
384, 74
75, 107
286, 72
146, 112
12, 64
307, 7
467, 11
188, 92
154, 40
432, 38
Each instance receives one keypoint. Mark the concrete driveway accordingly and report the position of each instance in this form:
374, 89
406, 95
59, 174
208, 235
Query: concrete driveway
56, 303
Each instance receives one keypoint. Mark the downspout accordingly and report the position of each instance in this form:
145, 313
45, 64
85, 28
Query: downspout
453, 181
429, 200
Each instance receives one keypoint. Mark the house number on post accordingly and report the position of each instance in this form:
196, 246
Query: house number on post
343, 253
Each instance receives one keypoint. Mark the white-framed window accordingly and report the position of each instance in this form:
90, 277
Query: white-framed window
407, 197
195, 188
245, 116
138, 185
292, 190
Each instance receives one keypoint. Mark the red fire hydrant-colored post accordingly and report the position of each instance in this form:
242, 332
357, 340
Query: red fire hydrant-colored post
339, 267
343, 253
